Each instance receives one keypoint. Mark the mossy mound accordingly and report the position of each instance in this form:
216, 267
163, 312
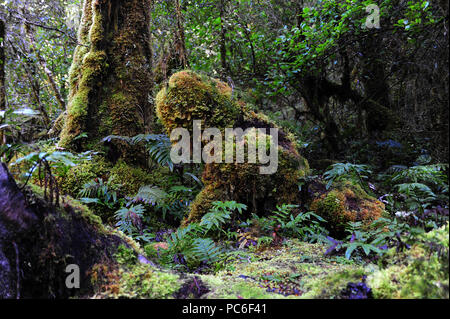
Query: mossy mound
54, 237
419, 272
188, 97
133, 277
122, 178
346, 202
127, 178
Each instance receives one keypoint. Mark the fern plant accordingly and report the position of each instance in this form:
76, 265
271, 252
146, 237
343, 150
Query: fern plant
205, 250
434, 174
177, 202
129, 220
347, 171
420, 187
382, 234
158, 146
191, 242
181, 238
305, 225
99, 192
150, 195
173, 202
220, 214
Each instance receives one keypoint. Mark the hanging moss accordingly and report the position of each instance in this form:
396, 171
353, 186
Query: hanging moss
188, 97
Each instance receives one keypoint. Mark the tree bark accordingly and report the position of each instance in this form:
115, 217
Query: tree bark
110, 78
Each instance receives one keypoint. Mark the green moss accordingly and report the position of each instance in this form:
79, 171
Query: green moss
188, 97
133, 178
143, 282
122, 107
331, 285
134, 280
296, 264
420, 272
224, 288
86, 22
78, 208
91, 69
344, 203
125, 255
84, 172
87, 214
96, 31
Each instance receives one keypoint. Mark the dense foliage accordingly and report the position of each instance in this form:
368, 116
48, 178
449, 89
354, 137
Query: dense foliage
360, 86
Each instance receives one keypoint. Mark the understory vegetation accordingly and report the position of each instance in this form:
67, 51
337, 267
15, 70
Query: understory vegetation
359, 207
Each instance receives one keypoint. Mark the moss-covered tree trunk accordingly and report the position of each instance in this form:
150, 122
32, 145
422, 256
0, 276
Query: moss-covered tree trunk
110, 78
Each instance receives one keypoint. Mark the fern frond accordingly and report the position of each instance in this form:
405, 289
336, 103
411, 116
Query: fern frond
182, 234
151, 195
129, 220
215, 218
205, 250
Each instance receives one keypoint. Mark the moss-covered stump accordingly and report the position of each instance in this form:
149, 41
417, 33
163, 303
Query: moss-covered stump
38, 241
188, 97
344, 202
110, 77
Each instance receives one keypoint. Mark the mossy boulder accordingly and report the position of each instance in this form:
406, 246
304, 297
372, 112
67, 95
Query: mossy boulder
189, 96
345, 202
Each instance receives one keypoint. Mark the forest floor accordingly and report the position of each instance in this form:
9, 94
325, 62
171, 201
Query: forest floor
293, 270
